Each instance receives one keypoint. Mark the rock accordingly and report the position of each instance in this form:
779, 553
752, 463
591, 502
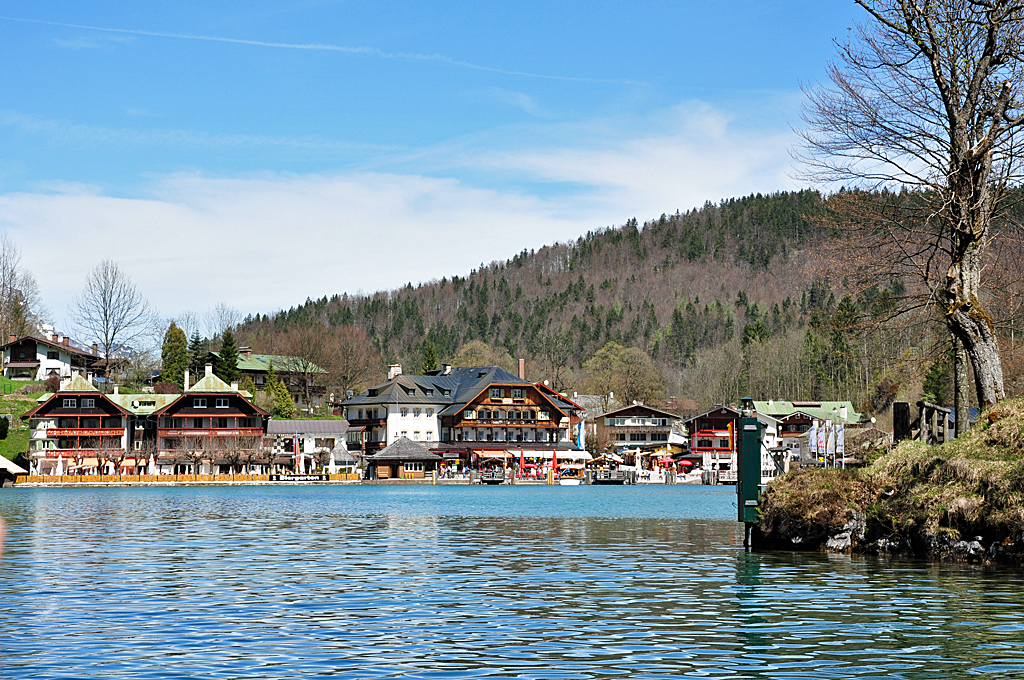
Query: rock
841, 542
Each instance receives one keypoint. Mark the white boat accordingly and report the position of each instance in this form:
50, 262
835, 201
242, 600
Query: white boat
571, 475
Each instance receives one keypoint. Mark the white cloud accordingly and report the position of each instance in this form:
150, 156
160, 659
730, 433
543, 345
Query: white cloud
261, 243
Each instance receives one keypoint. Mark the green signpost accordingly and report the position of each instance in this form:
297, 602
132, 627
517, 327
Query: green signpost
748, 480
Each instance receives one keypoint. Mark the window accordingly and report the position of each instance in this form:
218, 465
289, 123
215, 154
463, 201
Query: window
88, 403
222, 422
52, 355
446, 393
405, 413
543, 415
705, 443
222, 402
517, 393
429, 393
430, 435
372, 393
416, 413
416, 435
260, 379
469, 415
500, 415
414, 467
405, 433
723, 443
147, 403
621, 436
430, 413
91, 423
199, 402
70, 403
197, 422
138, 444
410, 391
495, 393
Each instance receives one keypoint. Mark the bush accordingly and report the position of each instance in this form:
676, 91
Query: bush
52, 384
166, 388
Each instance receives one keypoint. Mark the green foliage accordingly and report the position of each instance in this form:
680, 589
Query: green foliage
226, 364
281, 400
174, 356
429, 362
197, 351
247, 385
938, 381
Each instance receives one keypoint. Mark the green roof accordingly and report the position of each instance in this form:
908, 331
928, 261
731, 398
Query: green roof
821, 410
142, 404
261, 362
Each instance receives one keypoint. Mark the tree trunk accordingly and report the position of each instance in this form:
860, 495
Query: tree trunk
971, 324
961, 387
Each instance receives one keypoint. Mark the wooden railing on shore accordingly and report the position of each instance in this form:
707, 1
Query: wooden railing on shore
139, 479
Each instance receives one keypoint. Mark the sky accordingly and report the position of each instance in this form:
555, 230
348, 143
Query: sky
256, 154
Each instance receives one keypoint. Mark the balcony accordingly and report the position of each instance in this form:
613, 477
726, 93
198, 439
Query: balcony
213, 432
84, 432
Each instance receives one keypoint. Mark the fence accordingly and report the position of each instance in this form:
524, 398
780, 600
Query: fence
165, 478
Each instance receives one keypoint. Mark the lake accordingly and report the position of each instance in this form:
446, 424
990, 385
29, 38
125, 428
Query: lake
468, 582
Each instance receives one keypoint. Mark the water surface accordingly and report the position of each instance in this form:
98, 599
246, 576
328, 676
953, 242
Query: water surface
467, 582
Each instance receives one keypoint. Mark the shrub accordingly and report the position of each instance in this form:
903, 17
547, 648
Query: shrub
166, 388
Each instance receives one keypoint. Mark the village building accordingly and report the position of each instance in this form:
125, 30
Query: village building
402, 459
310, 441
294, 372
211, 427
636, 425
32, 358
465, 414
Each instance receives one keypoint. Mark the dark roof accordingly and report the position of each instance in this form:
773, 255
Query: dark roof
73, 349
404, 449
707, 413
461, 385
640, 406
275, 426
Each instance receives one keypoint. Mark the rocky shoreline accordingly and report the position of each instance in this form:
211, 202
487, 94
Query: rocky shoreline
958, 502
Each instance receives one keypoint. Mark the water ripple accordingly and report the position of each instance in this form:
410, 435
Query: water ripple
459, 582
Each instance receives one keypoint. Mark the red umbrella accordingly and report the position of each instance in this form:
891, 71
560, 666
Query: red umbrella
554, 460
522, 461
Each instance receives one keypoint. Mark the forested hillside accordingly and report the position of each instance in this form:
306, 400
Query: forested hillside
728, 299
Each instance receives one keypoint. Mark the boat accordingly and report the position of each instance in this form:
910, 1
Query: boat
571, 475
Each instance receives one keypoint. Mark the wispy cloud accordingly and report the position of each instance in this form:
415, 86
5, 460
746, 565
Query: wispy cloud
93, 42
516, 99
360, 51
331, 232
66, 132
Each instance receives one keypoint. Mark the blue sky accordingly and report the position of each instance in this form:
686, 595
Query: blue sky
258, 153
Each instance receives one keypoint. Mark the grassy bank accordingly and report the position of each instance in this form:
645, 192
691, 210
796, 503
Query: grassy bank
17, 436
963, 500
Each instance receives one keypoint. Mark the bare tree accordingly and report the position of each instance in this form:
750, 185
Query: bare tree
112, 312
19, 293
308, 350
353, 362
220, 318
924, 110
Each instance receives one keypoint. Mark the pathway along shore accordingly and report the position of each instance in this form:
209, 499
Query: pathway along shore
962, 501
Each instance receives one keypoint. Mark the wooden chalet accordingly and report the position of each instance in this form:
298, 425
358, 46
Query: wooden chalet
31, 358
633, 426
404, 459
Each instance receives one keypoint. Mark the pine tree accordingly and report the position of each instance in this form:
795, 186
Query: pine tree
247, 385
226, 365
197, 350
174, 356
284, 407
429, 358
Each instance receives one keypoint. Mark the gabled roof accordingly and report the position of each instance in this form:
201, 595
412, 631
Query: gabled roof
210, 383
143, 404
731, 410
404, 449
261, 363
821, 410
72, 349
665, 414
79, 384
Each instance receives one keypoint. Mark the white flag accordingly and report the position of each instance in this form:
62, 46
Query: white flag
812, 438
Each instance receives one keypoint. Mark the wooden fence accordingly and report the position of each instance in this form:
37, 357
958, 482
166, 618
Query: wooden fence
139, 479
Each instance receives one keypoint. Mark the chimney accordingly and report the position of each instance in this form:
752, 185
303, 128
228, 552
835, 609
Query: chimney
12, 338
209, 370
447, 369
115, 389
245, 352
234, 387
67, 341
522, 369
95, 349
186, 380
394, 370
842, 411
64, 382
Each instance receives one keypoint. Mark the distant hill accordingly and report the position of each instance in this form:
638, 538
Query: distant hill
674, 286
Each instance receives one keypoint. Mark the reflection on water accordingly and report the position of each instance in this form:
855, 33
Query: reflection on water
528, 582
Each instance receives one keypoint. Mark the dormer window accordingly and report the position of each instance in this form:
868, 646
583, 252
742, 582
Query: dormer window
495, 393
199, 402
88, 403
446, 393
429, 393
70, 403
373, 393
222, 402
410, 391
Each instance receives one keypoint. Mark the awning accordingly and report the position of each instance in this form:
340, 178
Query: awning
22, 364
494, 454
